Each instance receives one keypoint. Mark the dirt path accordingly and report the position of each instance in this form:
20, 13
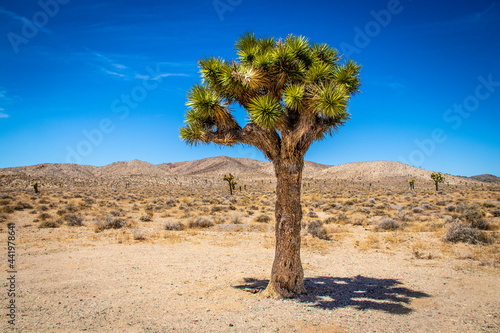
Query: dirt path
205, 283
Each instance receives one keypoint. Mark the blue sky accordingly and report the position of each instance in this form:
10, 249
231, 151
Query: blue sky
95, 82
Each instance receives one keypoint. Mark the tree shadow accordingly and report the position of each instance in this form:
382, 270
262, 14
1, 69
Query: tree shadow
359, 292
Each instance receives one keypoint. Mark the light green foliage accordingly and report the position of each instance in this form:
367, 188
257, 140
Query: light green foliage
438, 178
284, 85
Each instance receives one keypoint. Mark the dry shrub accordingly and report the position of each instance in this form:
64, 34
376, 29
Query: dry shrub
145, 218
8, 209
49, 224
451, 208
138, 234
387, 224
74, 220
312, 214
495, 213
217, 209
489, 205
71, 208
201, 222
174, 226
461, 232
115, 212
23, 206
236, 218
417, 210
371, 241
263, 218
316, 229
480, 224
109, 223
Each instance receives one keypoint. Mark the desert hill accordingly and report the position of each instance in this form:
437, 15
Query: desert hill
382, 170
487, 178
215, 167
129, 168
52, 170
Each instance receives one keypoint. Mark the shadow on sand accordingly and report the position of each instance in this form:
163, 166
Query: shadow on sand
360, 292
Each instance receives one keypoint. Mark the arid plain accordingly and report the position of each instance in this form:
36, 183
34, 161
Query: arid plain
136, 247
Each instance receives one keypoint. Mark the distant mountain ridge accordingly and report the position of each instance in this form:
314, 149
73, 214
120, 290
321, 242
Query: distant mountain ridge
487, 178
242, 167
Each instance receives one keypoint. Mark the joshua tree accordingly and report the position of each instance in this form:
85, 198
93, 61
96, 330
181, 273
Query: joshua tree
412, 184
295, 93
35, 187
230, 180
438, 178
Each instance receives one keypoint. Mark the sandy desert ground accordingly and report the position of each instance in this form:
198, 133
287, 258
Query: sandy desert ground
134, 256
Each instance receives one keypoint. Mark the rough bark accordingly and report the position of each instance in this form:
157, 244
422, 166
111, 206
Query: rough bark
287, 275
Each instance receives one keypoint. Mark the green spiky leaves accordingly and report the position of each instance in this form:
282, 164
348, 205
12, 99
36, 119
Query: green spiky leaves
294, 96
203, 100
207, 109
286, 85
330, 100
265, 111
192, 134
348, 75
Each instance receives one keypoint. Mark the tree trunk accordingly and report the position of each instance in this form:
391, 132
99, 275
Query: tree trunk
287, 275
437, 186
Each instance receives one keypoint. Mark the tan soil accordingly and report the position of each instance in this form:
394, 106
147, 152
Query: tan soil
205, 282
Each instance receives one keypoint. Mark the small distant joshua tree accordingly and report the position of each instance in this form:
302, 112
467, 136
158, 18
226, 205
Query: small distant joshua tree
412, 184
35, 187
230, 180
438, 178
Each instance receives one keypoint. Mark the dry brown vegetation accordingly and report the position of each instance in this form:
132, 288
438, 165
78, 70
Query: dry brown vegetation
457, 227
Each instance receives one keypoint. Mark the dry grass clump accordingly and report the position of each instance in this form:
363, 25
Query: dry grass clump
8, 209
387, 224
138, 234
146, 218
236, 218
461, 232
44, 216
263, 218
74, 220
316, 229
174, 226
22, 206
201, 222
109, 223
49, 224
312, 214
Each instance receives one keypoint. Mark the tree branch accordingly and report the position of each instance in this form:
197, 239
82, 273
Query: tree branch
266, 140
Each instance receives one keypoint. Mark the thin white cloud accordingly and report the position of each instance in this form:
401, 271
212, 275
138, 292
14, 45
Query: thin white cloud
23, 20
2, 114
115, 74
110, 66
128, 66
162, 75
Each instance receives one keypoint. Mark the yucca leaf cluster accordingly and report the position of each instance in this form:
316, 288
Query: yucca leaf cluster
294, 92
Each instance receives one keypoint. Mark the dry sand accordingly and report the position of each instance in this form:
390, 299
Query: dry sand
207, 281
